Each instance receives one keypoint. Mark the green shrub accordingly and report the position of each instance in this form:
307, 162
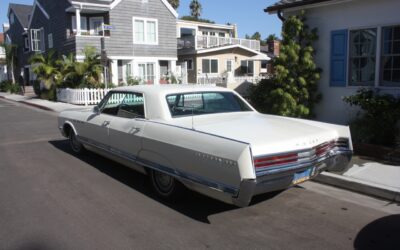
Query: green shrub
377, 123
49, 94
36, 87
8, 86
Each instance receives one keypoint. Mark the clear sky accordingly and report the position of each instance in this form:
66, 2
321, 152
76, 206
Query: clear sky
249, 15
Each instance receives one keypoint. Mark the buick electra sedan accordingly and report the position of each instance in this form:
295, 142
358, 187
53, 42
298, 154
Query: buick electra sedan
206, 139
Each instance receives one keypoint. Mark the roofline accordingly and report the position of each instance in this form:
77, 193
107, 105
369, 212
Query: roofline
213, 25
113, 4
9, 9
274, 8
44, 12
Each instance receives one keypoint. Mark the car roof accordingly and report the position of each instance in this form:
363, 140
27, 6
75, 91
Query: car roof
165, 89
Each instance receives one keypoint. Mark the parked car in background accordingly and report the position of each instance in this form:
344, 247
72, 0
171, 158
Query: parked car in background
207, 139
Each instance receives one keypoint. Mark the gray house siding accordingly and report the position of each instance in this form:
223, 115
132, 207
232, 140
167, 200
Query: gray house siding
121, 40
57, 25
15, 33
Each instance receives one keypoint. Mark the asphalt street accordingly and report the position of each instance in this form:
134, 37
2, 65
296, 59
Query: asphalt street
52, 199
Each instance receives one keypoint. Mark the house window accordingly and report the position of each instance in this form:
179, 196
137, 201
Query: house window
205, 33
362, 57
229, 65
12, 18
145, 31
390, 67
247, 67
37, 40
83, 23
221, 34
189, 63
26, 43
212, 33
96, 25
50, 40
147, 72
128, 70
210, 66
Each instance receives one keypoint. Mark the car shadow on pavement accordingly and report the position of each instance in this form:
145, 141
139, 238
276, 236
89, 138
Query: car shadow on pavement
383, 233
195, 205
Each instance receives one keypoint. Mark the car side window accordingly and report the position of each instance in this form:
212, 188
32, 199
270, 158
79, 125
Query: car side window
132, 106
111, 105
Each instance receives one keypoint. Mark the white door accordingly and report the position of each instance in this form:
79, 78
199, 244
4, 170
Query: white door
126, 128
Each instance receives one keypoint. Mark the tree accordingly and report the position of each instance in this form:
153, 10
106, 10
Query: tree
46, 68
271, 38
256, 36
293, 90
11, 59
174, 3
195, 9
83, 74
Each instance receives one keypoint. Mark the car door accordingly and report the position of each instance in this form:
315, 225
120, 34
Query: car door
96, 129
126, 129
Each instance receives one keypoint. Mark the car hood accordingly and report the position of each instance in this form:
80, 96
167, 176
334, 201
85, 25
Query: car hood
266, 134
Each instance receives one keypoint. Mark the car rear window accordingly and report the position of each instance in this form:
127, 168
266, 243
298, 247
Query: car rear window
200, 103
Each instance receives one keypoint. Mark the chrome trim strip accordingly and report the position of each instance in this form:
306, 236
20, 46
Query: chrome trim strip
173, 172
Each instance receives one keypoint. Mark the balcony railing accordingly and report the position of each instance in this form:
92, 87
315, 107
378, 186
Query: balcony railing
206, 42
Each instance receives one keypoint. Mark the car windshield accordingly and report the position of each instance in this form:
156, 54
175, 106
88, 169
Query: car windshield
200, 103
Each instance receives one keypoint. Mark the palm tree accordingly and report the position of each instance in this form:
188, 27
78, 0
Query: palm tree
174, 3
11, 59
46, 69
195, 9
83, 74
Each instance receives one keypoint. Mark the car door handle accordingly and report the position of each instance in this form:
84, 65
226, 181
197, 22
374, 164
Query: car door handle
134, 130
105, 123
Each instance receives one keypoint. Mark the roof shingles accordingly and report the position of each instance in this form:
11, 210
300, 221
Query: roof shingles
22, 12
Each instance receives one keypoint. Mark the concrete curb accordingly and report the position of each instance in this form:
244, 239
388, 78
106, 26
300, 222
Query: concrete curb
29, 104
36, 106
359, 186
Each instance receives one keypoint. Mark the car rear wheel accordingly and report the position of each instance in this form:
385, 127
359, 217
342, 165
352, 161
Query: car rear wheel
166, 186
76, 146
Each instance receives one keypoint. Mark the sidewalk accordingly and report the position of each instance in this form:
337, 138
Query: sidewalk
40, 103
365, 176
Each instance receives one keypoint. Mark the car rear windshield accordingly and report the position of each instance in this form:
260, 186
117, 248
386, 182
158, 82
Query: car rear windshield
200, 103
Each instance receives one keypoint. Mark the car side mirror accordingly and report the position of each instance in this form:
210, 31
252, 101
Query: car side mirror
96, 110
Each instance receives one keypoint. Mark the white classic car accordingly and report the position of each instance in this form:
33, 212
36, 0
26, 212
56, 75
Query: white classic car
207, 139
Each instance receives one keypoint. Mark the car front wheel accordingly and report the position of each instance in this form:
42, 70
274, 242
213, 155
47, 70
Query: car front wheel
76, 146
166, 186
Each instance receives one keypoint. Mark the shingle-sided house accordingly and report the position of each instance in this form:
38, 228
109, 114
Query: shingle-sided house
214, 51
138, 36
358, 46
18, 16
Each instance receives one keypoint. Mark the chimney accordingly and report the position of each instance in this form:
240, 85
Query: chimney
274, 47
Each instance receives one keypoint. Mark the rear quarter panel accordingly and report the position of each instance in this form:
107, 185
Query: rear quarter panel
197, 154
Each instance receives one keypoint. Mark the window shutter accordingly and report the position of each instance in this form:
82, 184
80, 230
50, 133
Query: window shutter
338, 59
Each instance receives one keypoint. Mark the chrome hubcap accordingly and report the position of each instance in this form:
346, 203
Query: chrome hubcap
164, 182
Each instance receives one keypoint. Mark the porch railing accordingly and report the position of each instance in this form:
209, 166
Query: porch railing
206, 42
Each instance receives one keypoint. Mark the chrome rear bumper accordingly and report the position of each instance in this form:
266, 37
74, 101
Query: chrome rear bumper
280, 179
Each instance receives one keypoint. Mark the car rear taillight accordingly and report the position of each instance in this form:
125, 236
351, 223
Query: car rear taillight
323, 149
275, 160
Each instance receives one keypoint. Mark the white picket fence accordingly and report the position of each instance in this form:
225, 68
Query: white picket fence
81, 96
